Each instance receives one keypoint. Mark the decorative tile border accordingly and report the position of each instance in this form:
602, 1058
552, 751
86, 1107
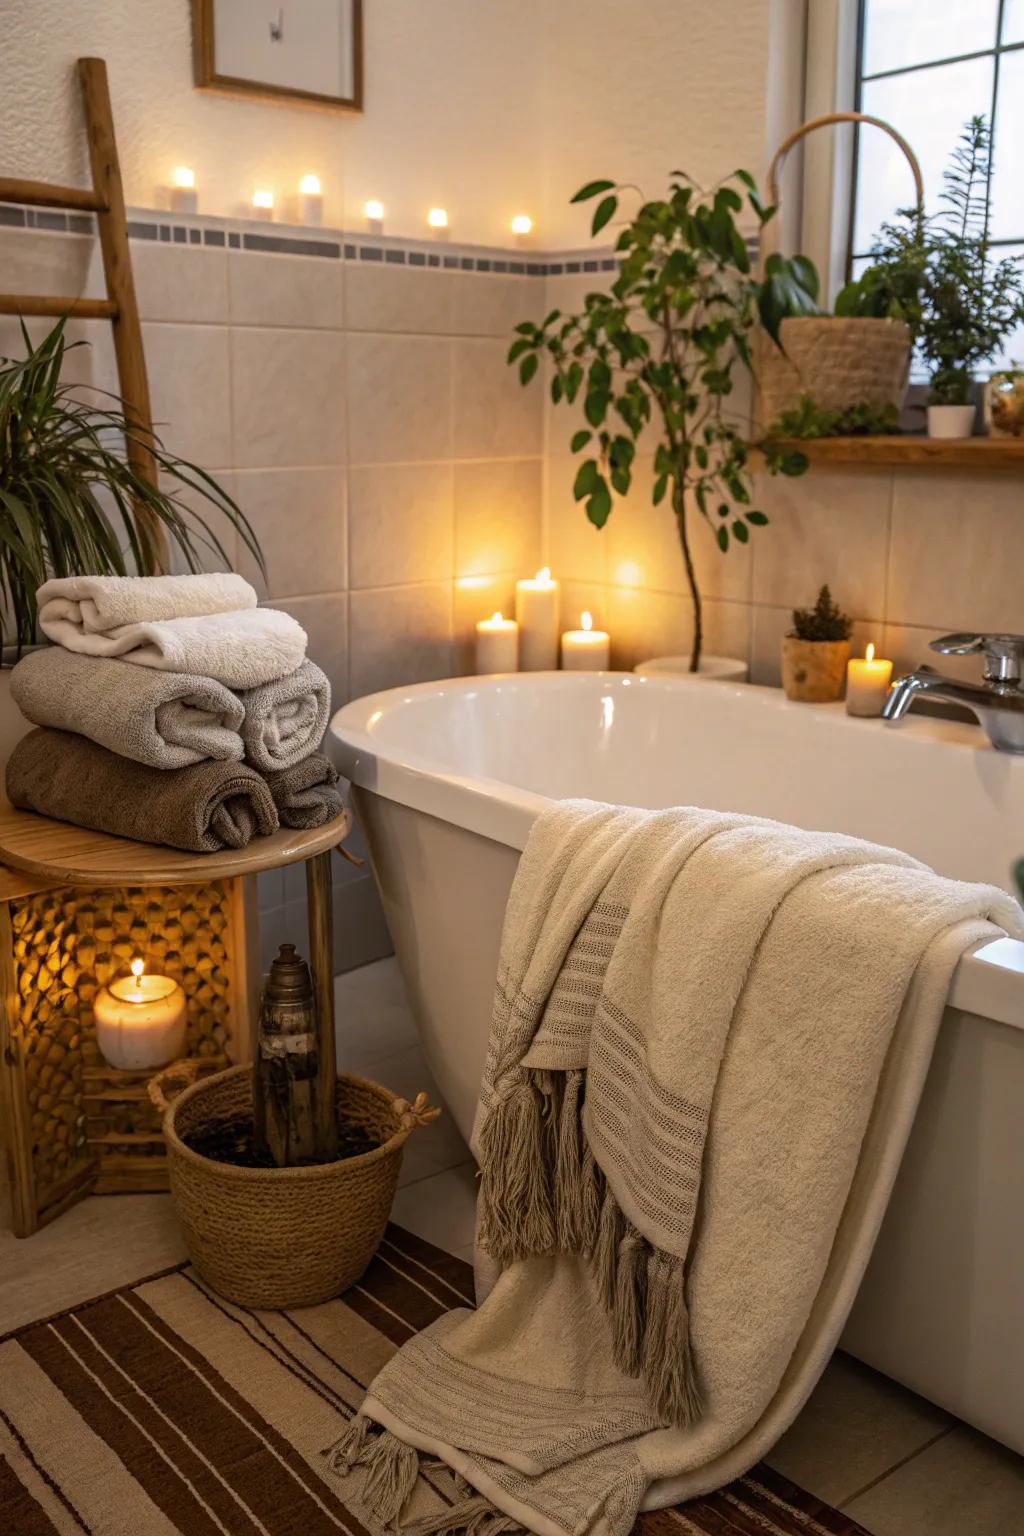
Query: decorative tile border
330, 245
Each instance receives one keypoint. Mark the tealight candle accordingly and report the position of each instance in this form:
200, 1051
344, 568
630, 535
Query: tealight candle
373, 208
184, 197
522, 224
867, 683
437, 218
311, 203
585, 649
263, 203
140, 1020
497, 645
537, 614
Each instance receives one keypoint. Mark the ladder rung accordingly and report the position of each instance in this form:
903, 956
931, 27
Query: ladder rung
30, 304
40, 194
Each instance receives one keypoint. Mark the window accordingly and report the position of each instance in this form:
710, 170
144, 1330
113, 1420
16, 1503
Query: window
926, 70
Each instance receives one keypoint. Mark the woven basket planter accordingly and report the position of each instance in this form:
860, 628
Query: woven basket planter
839, 363
283, 1237
813, 671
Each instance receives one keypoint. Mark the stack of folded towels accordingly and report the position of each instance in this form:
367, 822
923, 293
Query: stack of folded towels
172, 710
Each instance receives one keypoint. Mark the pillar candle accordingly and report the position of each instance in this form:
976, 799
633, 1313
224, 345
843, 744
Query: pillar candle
140, 1020
497, 645
867, 684
585, 649
184, 197
537, 614
311, 203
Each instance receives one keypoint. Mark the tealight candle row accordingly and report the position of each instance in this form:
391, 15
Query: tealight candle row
530, 642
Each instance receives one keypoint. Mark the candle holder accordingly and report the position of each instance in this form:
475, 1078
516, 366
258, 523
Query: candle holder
140, 1021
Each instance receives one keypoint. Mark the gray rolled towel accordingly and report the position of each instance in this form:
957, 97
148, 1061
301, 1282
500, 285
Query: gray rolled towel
285, 720
307, 794
165, 719
202, 808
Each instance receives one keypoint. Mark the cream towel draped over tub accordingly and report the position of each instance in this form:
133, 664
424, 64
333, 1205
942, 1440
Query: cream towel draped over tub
709, 1038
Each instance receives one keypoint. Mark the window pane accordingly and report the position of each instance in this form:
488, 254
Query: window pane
1013, 21
929, 107
901, 32
1011, 355
1007, 182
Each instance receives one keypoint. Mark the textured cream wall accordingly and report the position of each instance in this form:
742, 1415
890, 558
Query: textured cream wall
488, 107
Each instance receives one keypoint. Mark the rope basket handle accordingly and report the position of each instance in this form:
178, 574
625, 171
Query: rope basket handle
767, 236
419, 1112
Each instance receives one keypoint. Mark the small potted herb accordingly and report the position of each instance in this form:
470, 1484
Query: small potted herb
815, 652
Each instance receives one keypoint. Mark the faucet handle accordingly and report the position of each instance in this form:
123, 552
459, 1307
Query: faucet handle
1004, 654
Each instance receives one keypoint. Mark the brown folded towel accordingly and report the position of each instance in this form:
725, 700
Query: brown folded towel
307, 794
201, 808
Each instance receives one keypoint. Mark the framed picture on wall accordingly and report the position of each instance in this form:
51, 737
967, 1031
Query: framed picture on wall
308, 52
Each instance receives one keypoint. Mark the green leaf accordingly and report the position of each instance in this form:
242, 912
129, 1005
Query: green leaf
518, 348
595, 406
580, 440
604, 211
740, 531
528, 367
556, 389
660, 487
600, 505
722, 536
586, 479
758, 519
591, 189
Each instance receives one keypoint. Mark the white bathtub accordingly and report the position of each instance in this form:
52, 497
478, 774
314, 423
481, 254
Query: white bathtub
448, 779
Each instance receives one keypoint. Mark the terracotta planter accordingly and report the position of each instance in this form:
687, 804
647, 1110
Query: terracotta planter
813, 671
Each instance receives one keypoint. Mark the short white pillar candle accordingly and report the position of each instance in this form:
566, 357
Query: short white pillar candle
311, 203
585, 649
184, 197
263, 203
140, 1021
537, 614
497, 645
867, 683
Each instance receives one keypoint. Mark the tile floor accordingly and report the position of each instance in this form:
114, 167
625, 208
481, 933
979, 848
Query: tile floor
896, 1463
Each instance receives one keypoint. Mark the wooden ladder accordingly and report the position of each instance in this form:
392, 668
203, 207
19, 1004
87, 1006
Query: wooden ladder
106, 200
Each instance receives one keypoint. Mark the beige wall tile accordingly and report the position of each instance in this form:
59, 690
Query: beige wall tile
646, 624
400, 523
299, 518
188, 386
956, 543
292, 291
579, 597
910, 648
644, 548
400, 635
475, 598
177, 282
409, 299
826, 526
498, 516
325, 620
399, 398
495, 417
493, 305
40, 263
573, 547
287, 390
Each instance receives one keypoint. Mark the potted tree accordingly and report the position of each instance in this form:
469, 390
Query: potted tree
815, 652
657, 353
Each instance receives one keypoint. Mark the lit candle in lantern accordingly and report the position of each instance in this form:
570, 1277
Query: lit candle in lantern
184, 197
140, 1020
585, 649
263, 203
311, 203
537, 615
497, 645
867, 683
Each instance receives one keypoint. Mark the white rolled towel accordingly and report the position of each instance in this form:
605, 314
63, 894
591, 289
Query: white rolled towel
78, 612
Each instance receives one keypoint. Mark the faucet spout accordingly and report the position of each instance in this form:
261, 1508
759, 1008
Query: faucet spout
998, 706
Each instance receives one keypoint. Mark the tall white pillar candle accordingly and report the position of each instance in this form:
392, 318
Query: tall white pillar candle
537, 615
585, 649
497, 645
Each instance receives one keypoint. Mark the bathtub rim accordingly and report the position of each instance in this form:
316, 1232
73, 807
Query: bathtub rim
989, 980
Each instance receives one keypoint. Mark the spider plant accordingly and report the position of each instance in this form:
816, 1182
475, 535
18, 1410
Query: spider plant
71, 503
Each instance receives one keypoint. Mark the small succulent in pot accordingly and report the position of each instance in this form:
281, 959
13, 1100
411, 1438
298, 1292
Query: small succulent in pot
815, 652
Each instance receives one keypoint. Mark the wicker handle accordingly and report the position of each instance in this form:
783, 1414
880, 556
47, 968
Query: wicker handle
768, 231
419, 1112
177, 1077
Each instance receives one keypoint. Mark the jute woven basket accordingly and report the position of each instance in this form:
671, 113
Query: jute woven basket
284, 1237
837, 362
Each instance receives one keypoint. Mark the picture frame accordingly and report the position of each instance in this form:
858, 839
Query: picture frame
305, 53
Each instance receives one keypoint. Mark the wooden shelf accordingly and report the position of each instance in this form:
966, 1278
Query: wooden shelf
55, 851
980, 453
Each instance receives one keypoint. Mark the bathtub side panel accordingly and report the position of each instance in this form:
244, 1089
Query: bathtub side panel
444, 892
941, 1307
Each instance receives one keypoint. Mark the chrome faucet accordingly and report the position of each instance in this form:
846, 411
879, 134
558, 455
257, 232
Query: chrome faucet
998, 701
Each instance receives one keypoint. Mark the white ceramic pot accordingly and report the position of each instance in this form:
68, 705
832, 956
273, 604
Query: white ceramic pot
723, 669
951, 420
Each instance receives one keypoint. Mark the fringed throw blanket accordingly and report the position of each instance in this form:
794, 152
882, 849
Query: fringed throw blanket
709, 1038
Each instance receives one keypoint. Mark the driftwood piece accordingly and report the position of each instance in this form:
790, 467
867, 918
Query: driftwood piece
285, 1066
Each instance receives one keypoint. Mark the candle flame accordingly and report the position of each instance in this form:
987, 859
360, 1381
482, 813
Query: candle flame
586, 621
437, 218
373, 208
869, 654
522, 224
544, 574
262, 198
496, 617
184, 176
138, 965
309, 186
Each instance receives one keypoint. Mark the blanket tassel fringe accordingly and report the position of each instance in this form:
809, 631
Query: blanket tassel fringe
542, 1193
392, 1469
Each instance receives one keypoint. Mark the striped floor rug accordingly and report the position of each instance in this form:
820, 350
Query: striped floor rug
161, 1410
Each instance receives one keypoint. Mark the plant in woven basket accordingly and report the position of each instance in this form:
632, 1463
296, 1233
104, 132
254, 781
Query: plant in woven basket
825, 621
808, 420
815, 651
70, 501
657, 353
